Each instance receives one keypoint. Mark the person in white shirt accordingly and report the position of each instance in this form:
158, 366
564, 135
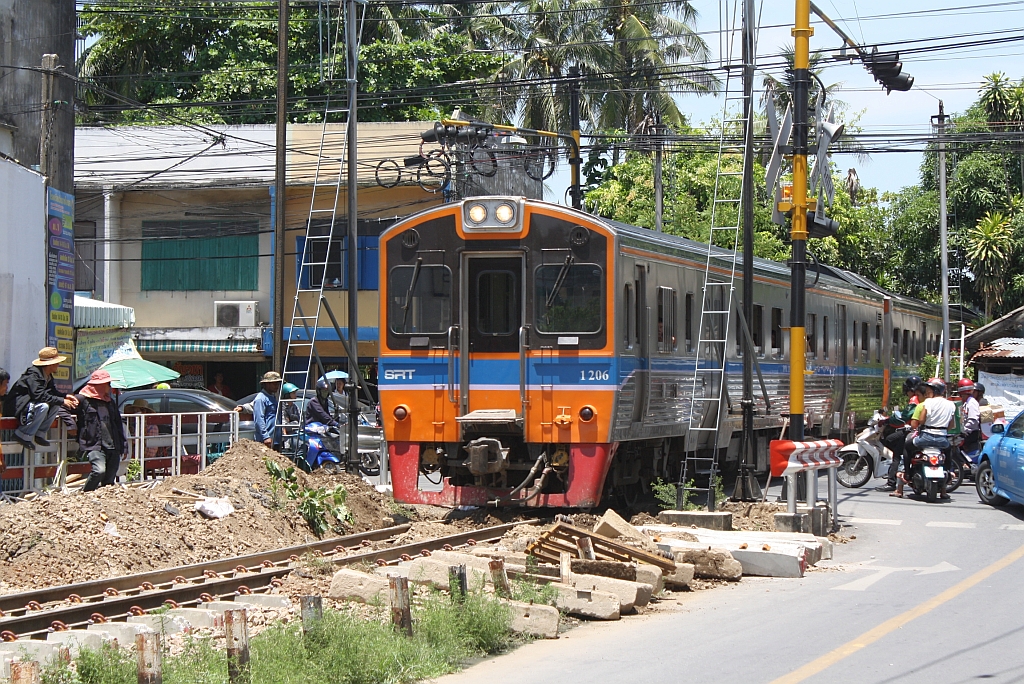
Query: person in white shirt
932, 423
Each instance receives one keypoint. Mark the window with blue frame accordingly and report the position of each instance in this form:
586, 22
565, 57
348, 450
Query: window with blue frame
323, 258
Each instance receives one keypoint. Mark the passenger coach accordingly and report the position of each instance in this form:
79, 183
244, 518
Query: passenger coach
535, 355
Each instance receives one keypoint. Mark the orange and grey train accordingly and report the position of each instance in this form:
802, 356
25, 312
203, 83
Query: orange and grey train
532, 354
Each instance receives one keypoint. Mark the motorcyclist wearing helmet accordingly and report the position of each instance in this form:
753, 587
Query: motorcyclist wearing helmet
932, 421
896, 432
979, 394
970, 412
323, 409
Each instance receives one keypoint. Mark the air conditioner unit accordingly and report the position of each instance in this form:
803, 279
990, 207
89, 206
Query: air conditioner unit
236, 314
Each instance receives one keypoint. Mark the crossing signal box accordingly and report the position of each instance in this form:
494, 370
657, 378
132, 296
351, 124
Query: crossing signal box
887, 69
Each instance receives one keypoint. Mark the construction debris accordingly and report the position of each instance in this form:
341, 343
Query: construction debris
563, 537
711, 563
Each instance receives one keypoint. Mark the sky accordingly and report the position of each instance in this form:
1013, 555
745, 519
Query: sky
952, 76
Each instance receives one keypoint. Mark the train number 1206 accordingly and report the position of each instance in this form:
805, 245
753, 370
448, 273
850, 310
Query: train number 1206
588, 375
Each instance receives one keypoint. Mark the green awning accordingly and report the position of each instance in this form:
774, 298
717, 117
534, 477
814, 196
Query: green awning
199, 346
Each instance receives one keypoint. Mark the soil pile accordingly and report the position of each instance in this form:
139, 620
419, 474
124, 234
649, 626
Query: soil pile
75, 537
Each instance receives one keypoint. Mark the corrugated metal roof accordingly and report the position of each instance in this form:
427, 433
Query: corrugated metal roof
92, 313
1002, 348
199, 346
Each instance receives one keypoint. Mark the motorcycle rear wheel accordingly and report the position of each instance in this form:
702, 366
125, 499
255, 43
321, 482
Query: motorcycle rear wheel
931, 493
855, 471
954, 475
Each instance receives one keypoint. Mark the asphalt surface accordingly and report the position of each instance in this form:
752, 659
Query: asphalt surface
925, 593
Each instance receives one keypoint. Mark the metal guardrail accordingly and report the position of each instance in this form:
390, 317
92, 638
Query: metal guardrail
162, 443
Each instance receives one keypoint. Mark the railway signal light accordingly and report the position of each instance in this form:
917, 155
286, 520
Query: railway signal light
887, 69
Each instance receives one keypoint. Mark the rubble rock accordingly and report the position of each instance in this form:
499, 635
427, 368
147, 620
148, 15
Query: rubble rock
352, 585
435, 573
681, 578
534, 619
631, 594
612, 525
588, 603
711, 563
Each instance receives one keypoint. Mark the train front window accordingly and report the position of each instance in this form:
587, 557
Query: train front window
420, 299
569, 298
497, 302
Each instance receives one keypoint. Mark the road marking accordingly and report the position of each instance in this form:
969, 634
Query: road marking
874, 521
864, 583
1018, 528
957, 525
892, 624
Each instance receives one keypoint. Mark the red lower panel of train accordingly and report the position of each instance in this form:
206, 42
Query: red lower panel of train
588, 468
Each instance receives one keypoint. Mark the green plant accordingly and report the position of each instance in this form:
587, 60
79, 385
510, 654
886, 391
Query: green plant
134, 470
106, 665
664, 493
317, 565
315, 505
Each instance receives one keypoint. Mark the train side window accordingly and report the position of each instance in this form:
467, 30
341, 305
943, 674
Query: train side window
674, 314
629, 309
689, 321
906, 346
855, 338
824, 337
921, 351
913, 347
896, 345
757, 329
878, 344
864, 340
666, 319
812, 335
776, 331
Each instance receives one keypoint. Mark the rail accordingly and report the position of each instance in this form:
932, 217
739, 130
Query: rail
164, 444
36, 613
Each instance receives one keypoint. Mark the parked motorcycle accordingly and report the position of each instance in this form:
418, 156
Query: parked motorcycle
867, 457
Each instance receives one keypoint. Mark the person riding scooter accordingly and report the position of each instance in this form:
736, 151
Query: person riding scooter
323, 409
931, 422
896, 432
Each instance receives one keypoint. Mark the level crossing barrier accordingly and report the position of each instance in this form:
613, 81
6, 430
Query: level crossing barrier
165, 444
789, 459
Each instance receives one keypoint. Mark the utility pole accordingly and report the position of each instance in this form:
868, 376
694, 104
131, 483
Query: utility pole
659, 188
940, 129
352, 183
574, 120
280, 180
46, 128
802, 33
747, 488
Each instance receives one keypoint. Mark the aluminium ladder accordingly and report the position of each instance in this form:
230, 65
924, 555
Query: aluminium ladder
708, 389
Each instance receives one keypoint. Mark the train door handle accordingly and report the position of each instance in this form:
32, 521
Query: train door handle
452, 335
524, 342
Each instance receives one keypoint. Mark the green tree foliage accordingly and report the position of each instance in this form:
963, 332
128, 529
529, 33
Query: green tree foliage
220, 62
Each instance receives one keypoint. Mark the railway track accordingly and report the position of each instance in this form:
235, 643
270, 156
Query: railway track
38, 612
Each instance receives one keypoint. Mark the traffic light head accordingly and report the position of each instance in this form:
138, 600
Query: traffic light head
887, 69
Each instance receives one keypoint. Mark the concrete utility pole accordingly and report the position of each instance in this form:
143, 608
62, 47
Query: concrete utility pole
352, 182
46, 132
940, 130
747, 488
30, 29
802, 33
280, 181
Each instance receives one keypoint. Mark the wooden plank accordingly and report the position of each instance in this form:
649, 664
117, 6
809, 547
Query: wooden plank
562, 537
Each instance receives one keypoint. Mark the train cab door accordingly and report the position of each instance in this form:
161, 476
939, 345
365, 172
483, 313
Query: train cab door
492, 332
642, 345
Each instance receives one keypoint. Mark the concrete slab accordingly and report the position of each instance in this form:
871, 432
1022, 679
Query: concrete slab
435, 573
631, 594
274, 601
813, 546
681, 577
793, 522
76, 639
589, 603
717, 520
534, 619
708, 563
401, 570
199, 618
352, 585
819, 519
163, 624
121, 632
467, 559
221, 606
652, 575
612, 525
30, 649
765, 560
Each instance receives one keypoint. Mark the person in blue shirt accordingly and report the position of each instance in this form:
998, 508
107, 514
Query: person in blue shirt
264, 408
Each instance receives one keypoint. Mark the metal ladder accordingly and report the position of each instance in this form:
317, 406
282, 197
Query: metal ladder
708, 388
322, 231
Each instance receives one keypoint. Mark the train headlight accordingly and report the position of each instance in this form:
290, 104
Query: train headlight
505, 213
401, 412
587, 414
478, 213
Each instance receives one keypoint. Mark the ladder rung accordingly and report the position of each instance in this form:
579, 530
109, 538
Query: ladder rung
715, 283
730, 173
703, 429
345, 132
728, 201
321, 211
338, 111
715, 313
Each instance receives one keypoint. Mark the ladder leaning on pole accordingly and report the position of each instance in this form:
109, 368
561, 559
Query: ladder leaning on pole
708, 390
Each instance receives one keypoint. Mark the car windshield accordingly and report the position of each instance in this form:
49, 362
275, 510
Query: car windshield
568, 298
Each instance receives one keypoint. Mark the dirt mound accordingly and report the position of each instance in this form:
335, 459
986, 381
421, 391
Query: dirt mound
752, 516
74, 537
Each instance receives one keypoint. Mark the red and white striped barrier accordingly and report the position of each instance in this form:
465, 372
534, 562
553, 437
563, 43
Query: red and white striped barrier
789, 457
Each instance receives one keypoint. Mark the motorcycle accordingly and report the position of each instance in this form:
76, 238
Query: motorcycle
927, 473
867, 457
325, 447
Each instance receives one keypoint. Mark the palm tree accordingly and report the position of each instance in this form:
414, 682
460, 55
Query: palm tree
998, 98
990, 245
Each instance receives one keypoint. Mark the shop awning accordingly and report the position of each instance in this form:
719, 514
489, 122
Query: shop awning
199, 346
92, 313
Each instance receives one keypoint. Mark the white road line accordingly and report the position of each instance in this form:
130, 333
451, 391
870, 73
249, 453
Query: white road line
957, 525
874, 521
1018, 528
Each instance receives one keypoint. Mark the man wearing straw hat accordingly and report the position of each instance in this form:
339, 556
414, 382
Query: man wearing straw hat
34, 399
264, 409
100, 430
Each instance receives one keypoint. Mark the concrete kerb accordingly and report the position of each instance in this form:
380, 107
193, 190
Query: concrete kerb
534, 619
717, 520
630, 594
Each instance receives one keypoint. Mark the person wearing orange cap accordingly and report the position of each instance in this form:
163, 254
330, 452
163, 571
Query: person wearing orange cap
35, 401
100, 430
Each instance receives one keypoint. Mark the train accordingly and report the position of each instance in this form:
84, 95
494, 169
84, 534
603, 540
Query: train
536, 355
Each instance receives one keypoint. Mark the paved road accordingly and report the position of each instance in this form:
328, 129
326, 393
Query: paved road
925, 593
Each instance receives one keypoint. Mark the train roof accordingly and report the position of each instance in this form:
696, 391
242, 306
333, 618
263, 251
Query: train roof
767, 266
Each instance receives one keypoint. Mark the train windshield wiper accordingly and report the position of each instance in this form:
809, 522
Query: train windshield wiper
562, 273
408, 294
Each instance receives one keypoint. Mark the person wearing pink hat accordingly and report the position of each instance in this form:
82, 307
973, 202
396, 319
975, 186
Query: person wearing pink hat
100, 430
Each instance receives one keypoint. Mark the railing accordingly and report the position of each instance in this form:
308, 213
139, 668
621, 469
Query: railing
164, 444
